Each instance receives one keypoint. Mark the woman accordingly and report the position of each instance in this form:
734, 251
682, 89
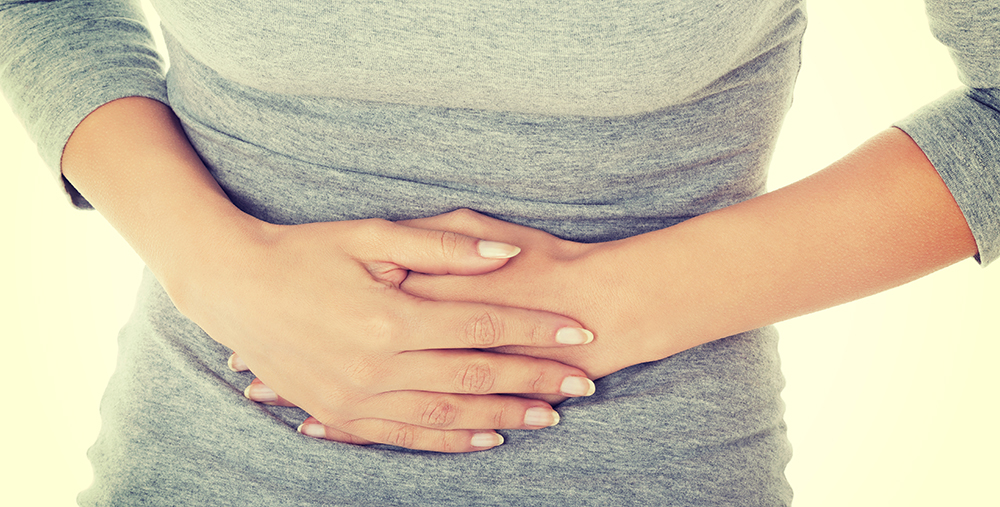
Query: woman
599, 334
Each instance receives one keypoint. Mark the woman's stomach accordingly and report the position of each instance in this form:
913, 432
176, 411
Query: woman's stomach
293, 159
704, 425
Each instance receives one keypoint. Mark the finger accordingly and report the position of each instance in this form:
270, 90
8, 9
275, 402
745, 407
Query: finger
261, 393
433, 415
442, 410
311, 427
405, 435
478, 372
425, 324
434, 251
467, 222
454, 411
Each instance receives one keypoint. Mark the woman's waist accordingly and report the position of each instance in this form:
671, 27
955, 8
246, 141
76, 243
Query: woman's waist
574, 202
733, 381
293, 159
586, 186
717, 405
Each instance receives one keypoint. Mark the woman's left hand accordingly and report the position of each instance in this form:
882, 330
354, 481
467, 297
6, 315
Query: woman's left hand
591, 283
588, 282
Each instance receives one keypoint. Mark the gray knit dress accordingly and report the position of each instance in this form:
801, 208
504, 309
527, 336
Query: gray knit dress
593, 120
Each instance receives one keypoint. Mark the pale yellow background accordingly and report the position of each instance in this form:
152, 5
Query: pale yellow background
891, 400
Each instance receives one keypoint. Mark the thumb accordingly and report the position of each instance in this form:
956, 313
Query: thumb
438, 252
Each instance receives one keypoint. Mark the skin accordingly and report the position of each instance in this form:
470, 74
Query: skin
357, 308
876, 219
316, 310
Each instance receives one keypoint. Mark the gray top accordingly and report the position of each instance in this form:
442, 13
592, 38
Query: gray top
586, 58
593, 120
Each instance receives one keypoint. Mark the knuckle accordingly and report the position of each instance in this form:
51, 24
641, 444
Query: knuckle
381, 333
539, 334
538, 383
500, 417
464, 216
402, 435
440, 413
363, 374
484, 330
477, 378
447, 443
376, 231
462, 219
449, 244
378, 225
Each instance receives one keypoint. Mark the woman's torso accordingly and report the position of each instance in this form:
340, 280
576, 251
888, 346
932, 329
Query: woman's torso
591, 120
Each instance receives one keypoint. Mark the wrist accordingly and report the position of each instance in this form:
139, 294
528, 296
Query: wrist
199, 249
658, 291
132, 161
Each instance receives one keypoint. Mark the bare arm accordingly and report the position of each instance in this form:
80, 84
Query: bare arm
132, 161
315, 309
877, 218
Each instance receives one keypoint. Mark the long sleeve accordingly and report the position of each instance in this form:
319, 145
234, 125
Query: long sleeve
960, 132
60, 60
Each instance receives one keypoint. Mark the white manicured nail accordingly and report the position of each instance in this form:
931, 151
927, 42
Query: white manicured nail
577, 386
260, 393
574, 336
496, 250
312, 430
484, 440
236, 363
540, 416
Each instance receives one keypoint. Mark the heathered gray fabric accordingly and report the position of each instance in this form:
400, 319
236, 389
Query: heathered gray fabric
592, 120
960, 133
61, 60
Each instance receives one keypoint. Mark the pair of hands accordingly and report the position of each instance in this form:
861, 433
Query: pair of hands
354, 323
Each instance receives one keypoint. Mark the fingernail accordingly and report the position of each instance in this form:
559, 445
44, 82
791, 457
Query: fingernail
540, 416
236, 363
312, 430
484, 440
574, 336
496, 250
577, 386
260, 393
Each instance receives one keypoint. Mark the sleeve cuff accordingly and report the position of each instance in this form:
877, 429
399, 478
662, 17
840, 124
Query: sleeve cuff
960, 135
61, 63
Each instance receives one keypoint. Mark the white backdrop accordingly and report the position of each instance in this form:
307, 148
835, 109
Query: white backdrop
891, 400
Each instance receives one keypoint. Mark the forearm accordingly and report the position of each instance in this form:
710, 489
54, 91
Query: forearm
876, 219
131, 159
315, 309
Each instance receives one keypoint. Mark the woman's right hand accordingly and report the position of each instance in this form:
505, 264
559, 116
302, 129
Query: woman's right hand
316, 313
